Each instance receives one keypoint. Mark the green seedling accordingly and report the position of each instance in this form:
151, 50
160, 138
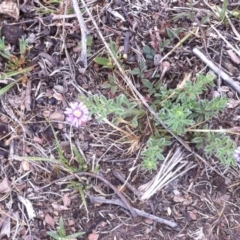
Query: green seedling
163, 44
139, 71
81, 163
173, 33
149, 52
79, 188
107, 62
64, 162
111, 85
61, 234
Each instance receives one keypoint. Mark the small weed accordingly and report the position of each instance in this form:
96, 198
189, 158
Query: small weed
107, 62
173, 33
111, 85
61, 234
149, 52
64, 162
14, 62
181, 109
221, 12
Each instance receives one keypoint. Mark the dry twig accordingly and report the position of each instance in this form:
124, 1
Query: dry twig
28, 95
228, 80
83, 57
138, 212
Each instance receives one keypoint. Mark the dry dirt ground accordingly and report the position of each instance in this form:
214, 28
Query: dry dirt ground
39, 183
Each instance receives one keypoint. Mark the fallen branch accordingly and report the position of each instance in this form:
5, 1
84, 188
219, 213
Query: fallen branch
227, 79
120, 195
140, 213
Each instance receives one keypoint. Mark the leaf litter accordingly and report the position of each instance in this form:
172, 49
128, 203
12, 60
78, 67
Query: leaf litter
161, 35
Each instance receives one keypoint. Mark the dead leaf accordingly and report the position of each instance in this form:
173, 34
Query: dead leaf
232, 103
38, 140
148, 221
116, 14
5, 186
28, 205
58, 116
178, 199
59, 88
71, 222
49, 220
93, 236
28, 237
233, 56
21, 187
59, 207
25, 166
10, 8
6, 223
192, 216
66, 200
58, 96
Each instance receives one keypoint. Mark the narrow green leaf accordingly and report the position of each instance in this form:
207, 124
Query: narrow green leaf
61, 228
54, 235
106, 62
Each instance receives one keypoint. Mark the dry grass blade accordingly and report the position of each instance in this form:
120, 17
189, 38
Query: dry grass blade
170, 169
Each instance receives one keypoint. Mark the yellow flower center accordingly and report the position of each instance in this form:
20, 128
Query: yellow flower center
77, 113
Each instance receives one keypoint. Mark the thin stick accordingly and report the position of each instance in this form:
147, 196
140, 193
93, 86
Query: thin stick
227, 79
83, 57
28, 99
228, 43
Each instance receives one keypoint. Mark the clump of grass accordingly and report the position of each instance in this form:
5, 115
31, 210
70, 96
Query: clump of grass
14, 64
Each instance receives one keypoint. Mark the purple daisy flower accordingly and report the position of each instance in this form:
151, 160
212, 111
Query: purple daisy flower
77, 114
236, 155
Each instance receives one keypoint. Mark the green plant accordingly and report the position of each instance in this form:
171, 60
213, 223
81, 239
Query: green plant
61, 234
111, 84
120, 107
14, 62
183, 111
173, 33
139, 71
107, 62
63, 161
221, 12
153, 151
216, 144
149, 52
